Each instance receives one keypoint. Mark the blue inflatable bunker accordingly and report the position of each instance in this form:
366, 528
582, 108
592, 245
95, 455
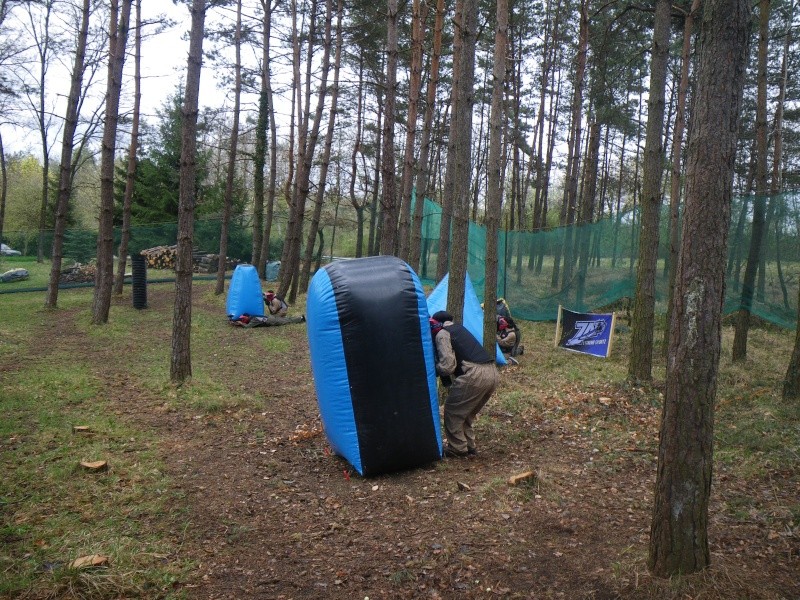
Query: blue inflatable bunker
244, 293
373, 365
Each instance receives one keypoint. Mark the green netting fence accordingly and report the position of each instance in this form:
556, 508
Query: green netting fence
527, 261
538, 271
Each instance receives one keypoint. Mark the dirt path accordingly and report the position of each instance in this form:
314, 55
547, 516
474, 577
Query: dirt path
272, 514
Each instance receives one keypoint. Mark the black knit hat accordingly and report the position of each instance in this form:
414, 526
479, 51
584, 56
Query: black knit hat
442, 316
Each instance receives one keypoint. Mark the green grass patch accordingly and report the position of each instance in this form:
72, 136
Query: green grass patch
206, 396
52, 510
38, 273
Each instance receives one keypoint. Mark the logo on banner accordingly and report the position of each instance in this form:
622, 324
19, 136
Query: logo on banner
588, 333
585, 331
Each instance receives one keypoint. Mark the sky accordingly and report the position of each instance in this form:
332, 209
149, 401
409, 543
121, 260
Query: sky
164, 58
163, 65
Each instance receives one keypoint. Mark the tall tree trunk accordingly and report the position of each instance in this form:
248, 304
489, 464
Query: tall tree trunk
494, 173
425, 143
587, 210
675, 180
290, 188
130, 175
3, 186
791, 382
573, 152
776, 182
230, 176
67, 145
389, 196
448, 194
555, 106
260, 151
273, 148
548, 54
104, 278
636, 189
358, 205
374, 219
296, 119
43, 47
641, 357
325, 159
759, 202
679, 530
290, 272
415, 85
466, 22
480, 153
181, 359
618, 208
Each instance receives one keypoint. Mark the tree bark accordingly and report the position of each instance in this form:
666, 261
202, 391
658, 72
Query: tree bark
641, 357
43, 48
325, 159
389, 195
415, 85
448, 194
675, 180
3, 186
791, 382
104, 278
587, 210
357, 204
679, 530
374, 240
130, 175
273, 149
67, 145
260, 151
573, 152
232, 149
299, 92
181, 360
290, 272
463, 98
494, 174
760, 200
423, 173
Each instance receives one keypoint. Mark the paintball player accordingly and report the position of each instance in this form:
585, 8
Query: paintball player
464, 365
506, 335
275, 304
278, 310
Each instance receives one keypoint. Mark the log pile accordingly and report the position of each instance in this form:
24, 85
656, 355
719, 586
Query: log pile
160, 257
205, 263
208, 263
78, 273
164, 257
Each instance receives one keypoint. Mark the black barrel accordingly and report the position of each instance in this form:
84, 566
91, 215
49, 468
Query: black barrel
139, 278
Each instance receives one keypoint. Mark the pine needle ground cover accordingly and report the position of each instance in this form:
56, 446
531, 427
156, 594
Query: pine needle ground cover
226, 487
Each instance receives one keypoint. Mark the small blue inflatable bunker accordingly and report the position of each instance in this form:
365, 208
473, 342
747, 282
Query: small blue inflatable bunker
244, 293
372, 359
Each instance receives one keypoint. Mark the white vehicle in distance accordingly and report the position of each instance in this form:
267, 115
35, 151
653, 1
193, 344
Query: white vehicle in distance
8, 251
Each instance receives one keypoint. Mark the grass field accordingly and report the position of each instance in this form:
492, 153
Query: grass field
58, 371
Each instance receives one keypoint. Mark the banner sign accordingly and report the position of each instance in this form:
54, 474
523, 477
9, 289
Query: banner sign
588, 333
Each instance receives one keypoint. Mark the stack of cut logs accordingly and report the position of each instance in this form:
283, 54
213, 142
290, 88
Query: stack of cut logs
164, 257
160, 257
78, 273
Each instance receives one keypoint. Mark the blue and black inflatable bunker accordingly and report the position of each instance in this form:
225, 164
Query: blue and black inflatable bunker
244, 293
373, 365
